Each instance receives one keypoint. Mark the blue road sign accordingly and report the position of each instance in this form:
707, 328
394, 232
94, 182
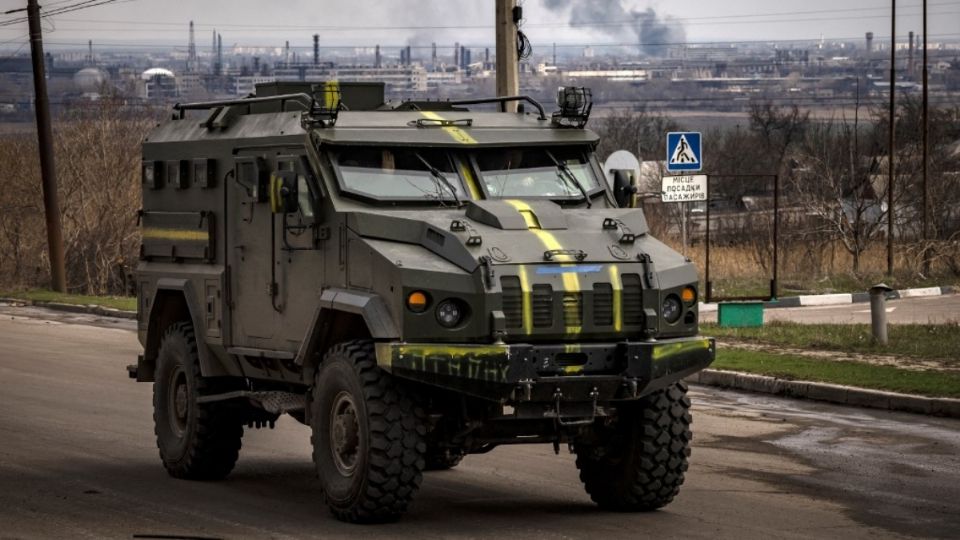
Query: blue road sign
684, 152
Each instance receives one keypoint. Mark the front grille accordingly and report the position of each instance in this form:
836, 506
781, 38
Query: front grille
632, 300
602, 304
542, 306
572, 310
512, 301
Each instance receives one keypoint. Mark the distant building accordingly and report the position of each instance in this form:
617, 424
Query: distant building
398, 78
246, 85
158, 84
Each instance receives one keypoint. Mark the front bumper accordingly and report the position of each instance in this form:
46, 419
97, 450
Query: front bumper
539, 372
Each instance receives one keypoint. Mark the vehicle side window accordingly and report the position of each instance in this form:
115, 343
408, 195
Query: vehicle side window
305, 198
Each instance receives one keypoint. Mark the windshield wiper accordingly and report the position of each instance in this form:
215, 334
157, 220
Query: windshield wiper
437, 175
568, 177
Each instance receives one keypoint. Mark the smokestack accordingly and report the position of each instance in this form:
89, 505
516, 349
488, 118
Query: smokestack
486, 56
213, 49
316, 49
910, 55
403, 57
456, 54
286, 53
376, 57
554, 53
433, 53
219, 54
869, 42
90, 52
409, 59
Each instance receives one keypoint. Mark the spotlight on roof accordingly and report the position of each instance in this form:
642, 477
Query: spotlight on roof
575, 103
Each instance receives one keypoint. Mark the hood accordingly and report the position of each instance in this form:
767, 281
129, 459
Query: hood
508, 232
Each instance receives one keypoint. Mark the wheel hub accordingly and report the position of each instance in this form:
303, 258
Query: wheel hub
344, 433
178, 403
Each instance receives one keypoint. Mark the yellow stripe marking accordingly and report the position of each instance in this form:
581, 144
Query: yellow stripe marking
529, 216
454, 132
572, 370
617, 298
472, 185
175, 234
331, 91
527, 300
571, 281
663, 351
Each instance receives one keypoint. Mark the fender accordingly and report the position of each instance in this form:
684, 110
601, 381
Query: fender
209, 366
333, 302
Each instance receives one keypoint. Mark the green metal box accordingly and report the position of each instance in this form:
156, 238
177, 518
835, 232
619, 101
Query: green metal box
740, 314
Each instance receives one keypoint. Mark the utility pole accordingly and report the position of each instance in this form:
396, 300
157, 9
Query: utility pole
926, 140
508, 64
48, 173
893, 121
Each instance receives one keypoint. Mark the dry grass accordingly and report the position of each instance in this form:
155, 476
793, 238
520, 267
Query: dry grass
741, 271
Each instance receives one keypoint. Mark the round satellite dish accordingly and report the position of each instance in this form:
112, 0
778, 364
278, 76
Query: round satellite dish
621, 160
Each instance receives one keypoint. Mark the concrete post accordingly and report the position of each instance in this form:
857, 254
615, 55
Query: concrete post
878, 312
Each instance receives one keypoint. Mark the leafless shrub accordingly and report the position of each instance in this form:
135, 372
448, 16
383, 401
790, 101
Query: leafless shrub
98, 161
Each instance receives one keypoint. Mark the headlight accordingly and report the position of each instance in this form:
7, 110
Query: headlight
450, 313
672, 309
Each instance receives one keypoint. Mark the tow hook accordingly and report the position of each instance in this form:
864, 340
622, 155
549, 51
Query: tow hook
594, 396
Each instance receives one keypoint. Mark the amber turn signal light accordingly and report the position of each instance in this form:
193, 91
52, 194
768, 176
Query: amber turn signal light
417, 302
689, 295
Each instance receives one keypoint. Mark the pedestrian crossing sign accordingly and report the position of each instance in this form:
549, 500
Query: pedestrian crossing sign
684, 152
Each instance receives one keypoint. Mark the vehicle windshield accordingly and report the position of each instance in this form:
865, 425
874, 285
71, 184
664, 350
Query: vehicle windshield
399, 174
533, 172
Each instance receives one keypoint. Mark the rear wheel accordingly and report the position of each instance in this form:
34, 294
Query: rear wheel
638, 464
368, 436
196, 441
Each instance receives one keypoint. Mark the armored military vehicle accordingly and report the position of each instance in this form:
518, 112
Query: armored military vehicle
416, 282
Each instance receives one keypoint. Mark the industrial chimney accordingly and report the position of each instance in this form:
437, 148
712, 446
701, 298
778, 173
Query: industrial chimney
869, 42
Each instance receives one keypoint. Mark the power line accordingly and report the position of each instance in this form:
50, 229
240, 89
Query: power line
621, 44
85, 4
264, 29
670, 20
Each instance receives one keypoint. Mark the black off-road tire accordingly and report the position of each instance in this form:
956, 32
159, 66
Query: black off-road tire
196, 441
638, 464
442, 459
368, 436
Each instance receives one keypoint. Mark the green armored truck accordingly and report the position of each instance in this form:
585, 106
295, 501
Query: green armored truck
416, 282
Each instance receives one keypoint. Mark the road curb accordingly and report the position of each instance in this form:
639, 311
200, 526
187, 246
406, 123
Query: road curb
842, 298
89, 309
831, 393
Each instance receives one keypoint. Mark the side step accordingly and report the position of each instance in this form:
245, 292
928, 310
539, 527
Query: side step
272, 402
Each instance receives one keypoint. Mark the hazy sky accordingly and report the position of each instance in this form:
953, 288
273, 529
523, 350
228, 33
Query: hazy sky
342, 22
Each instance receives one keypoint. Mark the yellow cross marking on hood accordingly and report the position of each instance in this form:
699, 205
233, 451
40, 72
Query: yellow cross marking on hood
454, 132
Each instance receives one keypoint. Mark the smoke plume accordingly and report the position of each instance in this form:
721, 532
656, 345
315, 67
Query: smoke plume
654, 34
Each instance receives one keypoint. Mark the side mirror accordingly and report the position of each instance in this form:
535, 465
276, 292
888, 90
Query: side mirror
623, 188
284, 197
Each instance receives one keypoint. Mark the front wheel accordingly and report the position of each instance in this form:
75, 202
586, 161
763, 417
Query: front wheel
368, 436
638, 463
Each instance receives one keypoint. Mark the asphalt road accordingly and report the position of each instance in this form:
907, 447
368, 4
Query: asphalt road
923, 310
77, 459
